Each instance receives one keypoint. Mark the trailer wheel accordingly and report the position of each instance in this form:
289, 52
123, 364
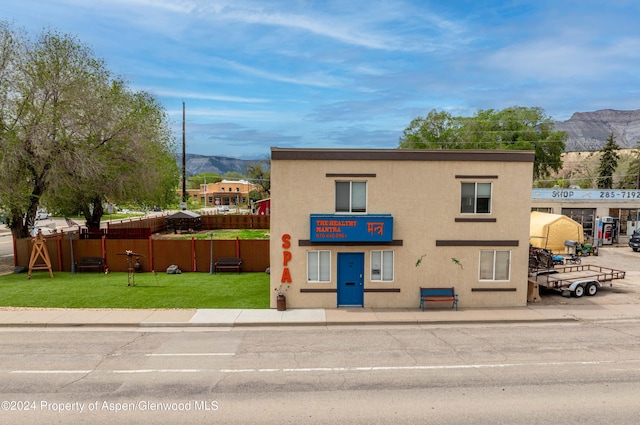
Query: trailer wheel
579, 291
592, 289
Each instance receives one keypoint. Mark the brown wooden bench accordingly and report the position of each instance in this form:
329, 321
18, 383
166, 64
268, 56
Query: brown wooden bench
430, 295
90, 263
228, 263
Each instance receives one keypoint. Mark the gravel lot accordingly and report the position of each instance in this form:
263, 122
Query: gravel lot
625, 291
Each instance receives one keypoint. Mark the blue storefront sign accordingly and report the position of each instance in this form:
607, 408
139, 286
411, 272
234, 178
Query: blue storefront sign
351, 228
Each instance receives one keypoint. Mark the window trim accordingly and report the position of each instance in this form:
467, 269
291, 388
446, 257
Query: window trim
475, 198
493, 267
351, 182
319, 251
393, 265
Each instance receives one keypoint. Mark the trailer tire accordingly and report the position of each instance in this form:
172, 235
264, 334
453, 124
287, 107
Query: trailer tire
592, 289
579, 291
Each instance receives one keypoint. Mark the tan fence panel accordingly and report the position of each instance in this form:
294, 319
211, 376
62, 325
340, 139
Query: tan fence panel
169, 252
255, 255
235, 221
117, 260
161, 254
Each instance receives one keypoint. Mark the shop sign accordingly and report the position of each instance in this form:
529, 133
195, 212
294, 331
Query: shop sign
587, 194
351, 228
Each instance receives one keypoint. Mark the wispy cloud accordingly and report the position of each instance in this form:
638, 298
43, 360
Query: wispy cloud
335, 73
169, 93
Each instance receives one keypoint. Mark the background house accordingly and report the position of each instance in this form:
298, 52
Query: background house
226, 192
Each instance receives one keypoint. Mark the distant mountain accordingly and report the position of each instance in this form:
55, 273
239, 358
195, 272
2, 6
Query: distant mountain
588, 131
197, 164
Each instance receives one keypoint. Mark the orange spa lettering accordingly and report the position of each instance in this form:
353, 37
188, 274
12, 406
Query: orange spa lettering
286, 255
286, 241
286, 276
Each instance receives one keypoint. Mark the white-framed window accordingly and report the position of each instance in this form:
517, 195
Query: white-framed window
495, 265
351, 197
476, 198
318, 266
381, 266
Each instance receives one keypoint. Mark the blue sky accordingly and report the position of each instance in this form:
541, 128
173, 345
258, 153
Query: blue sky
350, 73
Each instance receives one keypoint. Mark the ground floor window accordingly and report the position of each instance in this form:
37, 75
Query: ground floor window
547, 210
381, 266
318, 266
495, 265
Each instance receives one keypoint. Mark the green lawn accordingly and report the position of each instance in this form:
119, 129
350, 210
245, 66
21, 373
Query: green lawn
97, 290
227, 234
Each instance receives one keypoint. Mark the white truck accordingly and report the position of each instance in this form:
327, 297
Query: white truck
576, 280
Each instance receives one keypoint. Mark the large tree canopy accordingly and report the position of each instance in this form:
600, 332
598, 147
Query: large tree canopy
517, 128
259, 172
72, 136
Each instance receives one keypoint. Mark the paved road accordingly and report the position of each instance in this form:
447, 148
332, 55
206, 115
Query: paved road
6, 252
587, 373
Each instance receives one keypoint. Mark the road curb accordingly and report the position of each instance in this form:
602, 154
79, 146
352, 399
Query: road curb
293, 324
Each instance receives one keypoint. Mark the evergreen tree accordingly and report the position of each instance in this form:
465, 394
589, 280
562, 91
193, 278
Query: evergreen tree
608, 163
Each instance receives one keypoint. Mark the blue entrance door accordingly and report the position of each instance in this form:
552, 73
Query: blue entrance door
351, 279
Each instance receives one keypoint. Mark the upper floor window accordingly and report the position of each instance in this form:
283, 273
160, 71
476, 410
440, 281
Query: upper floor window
351, 197
476, 198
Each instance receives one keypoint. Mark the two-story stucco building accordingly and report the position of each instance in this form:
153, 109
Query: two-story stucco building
368, 228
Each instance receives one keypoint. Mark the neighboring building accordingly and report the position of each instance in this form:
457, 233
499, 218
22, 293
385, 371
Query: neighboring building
262, 207
226, 192
348, 226
592, 207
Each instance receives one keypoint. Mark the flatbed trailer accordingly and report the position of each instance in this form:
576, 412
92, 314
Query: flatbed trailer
576, 280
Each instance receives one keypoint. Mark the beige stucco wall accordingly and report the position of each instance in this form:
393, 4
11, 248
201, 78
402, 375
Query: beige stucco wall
423, 196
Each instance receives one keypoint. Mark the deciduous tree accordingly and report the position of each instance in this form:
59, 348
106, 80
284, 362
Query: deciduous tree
517, 128
72, 135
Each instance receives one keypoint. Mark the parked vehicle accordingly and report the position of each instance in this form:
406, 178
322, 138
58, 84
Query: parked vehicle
42, 215
586, 249
634, 242
576, 280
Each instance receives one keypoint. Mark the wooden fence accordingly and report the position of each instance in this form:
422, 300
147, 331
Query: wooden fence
155, 254
144, 227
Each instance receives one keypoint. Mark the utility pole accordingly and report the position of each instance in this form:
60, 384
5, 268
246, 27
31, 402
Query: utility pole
184, 159
638, 178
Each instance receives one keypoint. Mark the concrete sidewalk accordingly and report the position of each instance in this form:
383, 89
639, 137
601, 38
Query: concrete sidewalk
10, 317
